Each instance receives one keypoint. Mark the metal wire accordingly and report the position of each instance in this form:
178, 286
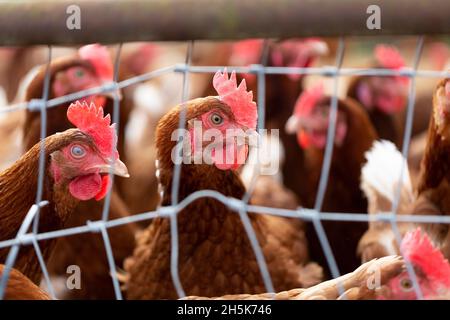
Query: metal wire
239, 206
176, 180
43, 265
14, 251
112, 265
41, 174
107, 202
242, 210
405, 149
167, 211
115, 119
322, 71
323, 182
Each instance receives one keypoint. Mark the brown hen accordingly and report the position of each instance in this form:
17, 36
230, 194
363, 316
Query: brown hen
74, 73
354, 135
215, 255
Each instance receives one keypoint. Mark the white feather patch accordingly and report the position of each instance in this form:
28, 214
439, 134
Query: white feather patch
383, 169
269, 154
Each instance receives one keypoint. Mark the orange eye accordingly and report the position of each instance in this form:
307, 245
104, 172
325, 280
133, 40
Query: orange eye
77, 152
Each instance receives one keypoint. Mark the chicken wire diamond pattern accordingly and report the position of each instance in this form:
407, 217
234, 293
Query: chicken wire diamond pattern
240, 206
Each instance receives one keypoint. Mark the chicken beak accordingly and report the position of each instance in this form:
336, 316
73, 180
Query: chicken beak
117, 167
293, 125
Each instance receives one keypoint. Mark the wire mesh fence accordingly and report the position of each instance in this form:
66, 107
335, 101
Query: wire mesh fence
29, 235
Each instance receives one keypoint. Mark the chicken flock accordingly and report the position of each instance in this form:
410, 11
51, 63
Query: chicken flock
87, 157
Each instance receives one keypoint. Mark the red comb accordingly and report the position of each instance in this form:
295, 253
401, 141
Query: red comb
237, 98
140, 59
439, 55
422, 254
89, 119
298, 53
309, 99
246, 52
388, 57
100, 58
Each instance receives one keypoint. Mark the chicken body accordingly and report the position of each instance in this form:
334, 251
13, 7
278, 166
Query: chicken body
18, 61
384, 98
56, 117
215, 255
281, 93
389, 126
434, 178
355, 285
87, 251
342, 191
81, 248
20, 287
18, 186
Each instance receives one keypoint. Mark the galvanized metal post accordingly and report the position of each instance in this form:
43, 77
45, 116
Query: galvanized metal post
28, 22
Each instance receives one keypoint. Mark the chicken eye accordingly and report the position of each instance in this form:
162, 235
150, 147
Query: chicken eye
216, 119
406, 284
77, 152
79, 73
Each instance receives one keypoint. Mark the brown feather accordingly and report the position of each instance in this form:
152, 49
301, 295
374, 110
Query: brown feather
433, 189
355, 285
343, 193
80, 249
87, 250
18, 186
19, 287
